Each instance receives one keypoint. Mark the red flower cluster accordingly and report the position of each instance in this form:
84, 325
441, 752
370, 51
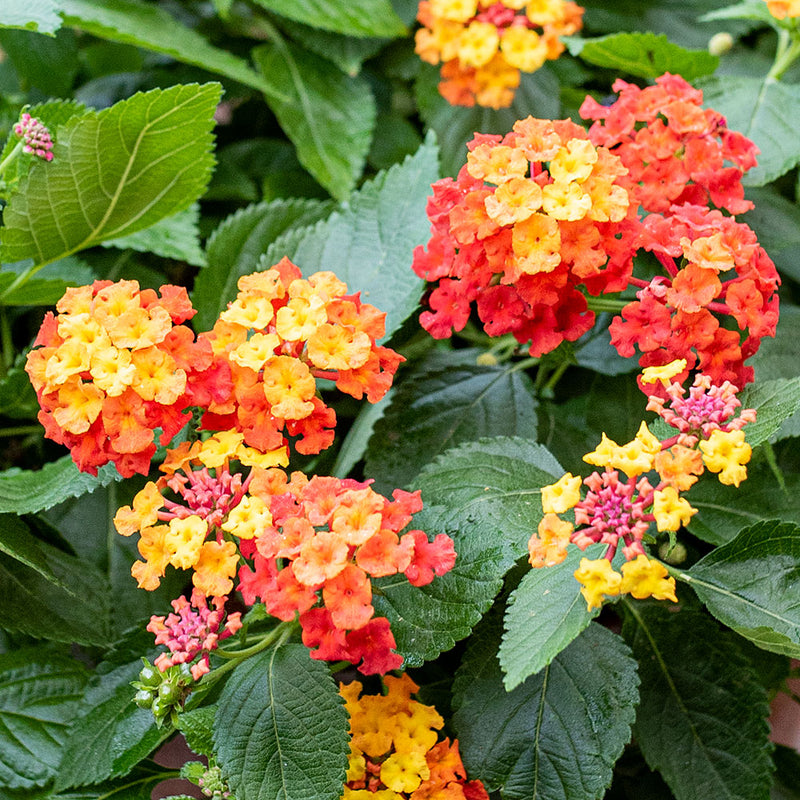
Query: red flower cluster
322, 541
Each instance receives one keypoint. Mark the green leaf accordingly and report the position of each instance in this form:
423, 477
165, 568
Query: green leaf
39, 692
197, 727
154, 160
538, 94
369, 243
137, 785
751, 9
775, 401
450, 400
777, 357
49, 285
31, 15
74, 607
702, 720
484, 495
47, 63
329, 116
768, 112
110, 735
354, 17
645, 55
776, 222
545, 613
347, 52
147, 25
175, 237
25, 492
236, 246
281, 728
555, 737
17, 541
751, 585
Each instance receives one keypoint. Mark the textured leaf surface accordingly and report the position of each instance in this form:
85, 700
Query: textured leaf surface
39, 692
32, 15
751, 584
353, 17
484, 495
370, 242
558, 735
147, 25
702, 716
197, 727
775, 401
768, 112
329, 116
776, 222
17, 541
25, 492
237, 244
545, 613
156, 161
281, 728
110, 734
450, 400
645, 55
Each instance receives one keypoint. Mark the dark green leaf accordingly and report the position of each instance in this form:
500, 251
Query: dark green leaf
329, 116
776, 401
751, 584
347, 52
137, 785
236, 245
355, 17
451, 399
369, 243
78, 200
776, 222
17, 541
702, 720
645, 55
545, 613
32, 15
49, 64
197, 727
39, 693
281, 728
555, 737
49, 285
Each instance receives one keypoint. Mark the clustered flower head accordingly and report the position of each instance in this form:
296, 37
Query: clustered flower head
395, 752
307, 546
36, 137
617, 511
192, 630
530, 218
483, 45
781, 9
114, 365
280, 334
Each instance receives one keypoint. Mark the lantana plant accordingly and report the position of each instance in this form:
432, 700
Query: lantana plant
411, 411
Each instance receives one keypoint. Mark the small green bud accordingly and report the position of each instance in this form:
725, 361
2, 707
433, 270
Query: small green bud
720, 43
169, 693
143, 698
160, 708
672, 554
149, 675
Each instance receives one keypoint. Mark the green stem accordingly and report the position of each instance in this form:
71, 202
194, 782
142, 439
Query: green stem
10, 157
606, 304
7, 342
555, 377
23, 278
280, 630
21, 430
788, 51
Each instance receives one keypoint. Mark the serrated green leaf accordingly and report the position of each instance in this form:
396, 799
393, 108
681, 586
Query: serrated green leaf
645, 55
236, 245
147, 25
558, 735
39, 692
329, 116
197, 727
537, 95
31, 15
110, 735
545, 613
369, 243
80, 199
775, 401
74, 607
281, 728
26, 492
177, 236
450, 400
768, 112
751, 584
354, 17
702, 720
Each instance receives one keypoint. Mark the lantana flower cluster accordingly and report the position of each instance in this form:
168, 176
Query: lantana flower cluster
304, 546
618, 509
539, 221
483, 45
530, 217
36, 137
395, 751
781, 9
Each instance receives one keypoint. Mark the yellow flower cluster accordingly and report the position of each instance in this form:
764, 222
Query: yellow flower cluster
485, 44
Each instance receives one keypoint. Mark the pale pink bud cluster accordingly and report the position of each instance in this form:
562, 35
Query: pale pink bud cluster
37, 138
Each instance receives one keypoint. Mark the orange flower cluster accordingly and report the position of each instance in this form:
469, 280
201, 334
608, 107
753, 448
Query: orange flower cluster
314, 543
781, 9
279, 335
616, 511
483, 45
395, 752
530, 218
114, 365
